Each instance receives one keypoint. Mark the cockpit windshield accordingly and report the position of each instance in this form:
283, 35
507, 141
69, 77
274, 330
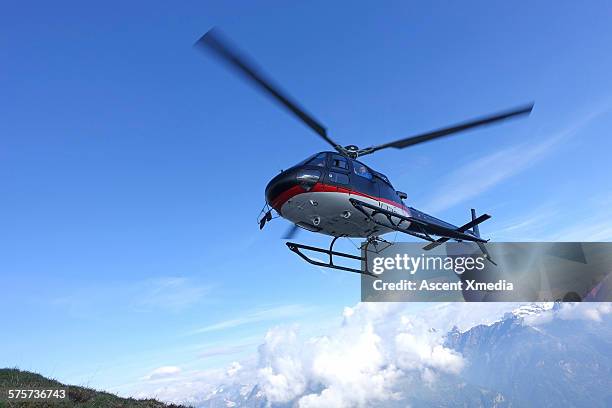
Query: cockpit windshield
361, 170
383, 178
318, 160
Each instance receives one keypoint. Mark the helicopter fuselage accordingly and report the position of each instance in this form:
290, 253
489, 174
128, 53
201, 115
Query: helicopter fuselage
316, 193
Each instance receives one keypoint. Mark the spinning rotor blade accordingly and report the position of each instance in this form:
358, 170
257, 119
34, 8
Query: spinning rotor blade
291, 231
240, 63
425, 137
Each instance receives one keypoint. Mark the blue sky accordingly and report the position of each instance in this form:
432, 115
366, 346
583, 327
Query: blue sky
132, 167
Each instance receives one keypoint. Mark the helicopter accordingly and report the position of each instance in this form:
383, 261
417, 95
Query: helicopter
333, 193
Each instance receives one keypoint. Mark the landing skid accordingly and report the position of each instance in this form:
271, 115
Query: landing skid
298, 248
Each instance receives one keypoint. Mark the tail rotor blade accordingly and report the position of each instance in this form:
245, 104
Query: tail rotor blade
291, 231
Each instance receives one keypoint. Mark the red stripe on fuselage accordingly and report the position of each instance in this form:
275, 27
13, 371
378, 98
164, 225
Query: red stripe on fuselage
283, 197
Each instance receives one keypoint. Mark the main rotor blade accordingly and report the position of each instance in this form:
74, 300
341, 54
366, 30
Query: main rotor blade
460, 127
240, 63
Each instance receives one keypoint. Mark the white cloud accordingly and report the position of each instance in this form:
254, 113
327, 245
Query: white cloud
359, 363
281, 373
161, 372
593, 311
234, 368
184, 386
415, 351
352, 368
273, 313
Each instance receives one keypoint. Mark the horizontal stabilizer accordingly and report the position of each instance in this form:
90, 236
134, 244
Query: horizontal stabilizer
435, 244
461, 229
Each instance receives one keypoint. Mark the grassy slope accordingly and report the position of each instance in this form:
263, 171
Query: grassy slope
77, 396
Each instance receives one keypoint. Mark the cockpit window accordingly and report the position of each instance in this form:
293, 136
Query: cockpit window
339, 162
383, 178
338, 178
361, 170
318, 160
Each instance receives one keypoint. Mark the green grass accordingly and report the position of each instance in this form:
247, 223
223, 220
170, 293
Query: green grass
75, 396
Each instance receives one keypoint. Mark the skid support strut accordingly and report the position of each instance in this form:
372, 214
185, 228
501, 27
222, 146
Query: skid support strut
298, 248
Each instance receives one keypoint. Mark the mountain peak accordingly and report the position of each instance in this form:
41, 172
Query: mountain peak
529, 310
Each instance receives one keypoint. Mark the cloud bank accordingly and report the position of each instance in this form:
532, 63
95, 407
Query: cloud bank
365, 361
358, 363
572, 311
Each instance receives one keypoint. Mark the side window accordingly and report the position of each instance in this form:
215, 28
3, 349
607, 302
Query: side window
318, 160
340, 162
386, 191
338, 178
361, 170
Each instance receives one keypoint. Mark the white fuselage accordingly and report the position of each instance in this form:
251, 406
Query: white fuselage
333, 214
